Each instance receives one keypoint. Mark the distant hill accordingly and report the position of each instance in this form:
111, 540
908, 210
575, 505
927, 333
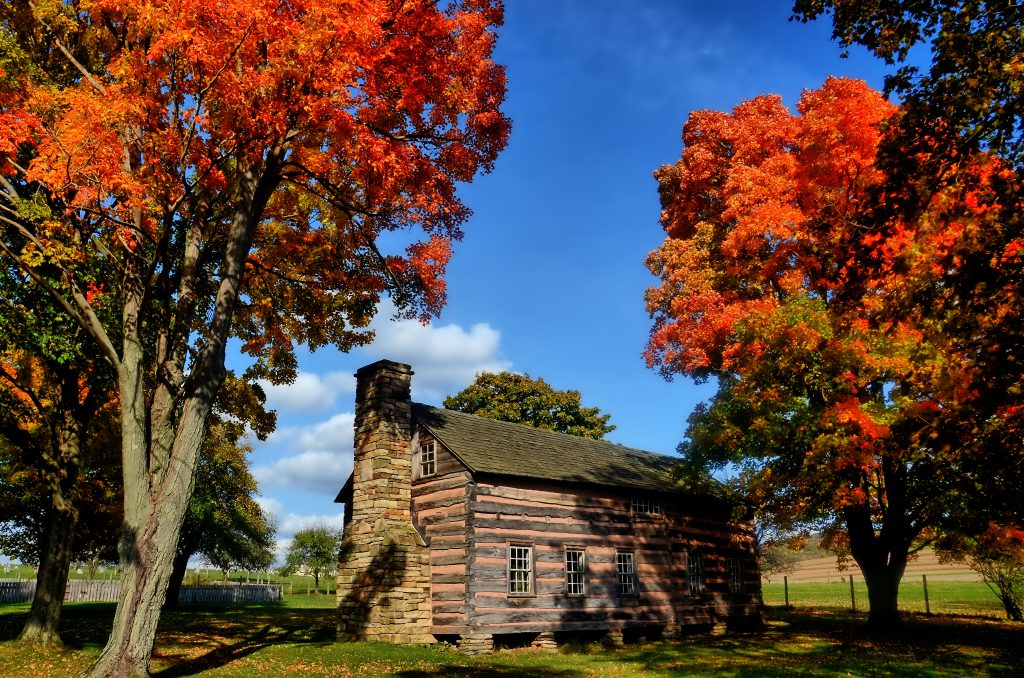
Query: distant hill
817, 565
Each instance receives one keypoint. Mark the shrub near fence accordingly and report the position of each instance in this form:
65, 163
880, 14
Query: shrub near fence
109, 590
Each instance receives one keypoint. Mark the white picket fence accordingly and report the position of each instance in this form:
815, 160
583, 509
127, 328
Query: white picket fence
16, 590
83, 590
232, 593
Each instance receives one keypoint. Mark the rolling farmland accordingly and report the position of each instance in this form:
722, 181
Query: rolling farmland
824, 569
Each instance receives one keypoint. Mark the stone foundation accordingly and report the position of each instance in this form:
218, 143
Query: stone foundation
476, 643
545, 641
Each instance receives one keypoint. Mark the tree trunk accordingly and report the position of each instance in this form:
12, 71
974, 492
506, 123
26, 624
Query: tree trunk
1012, 607
150, 560
883, 596
177, 578
882, 558
162, 432
51, 581
1007, 588
60, 468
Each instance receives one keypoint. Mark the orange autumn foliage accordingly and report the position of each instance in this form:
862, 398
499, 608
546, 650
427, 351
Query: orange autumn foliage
180, 173
782, 278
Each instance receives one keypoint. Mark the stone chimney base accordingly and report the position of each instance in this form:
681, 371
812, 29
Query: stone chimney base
384, 585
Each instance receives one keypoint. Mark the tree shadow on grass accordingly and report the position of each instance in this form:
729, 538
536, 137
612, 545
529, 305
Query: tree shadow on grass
192, 641
82, 625
949, 640
487, 671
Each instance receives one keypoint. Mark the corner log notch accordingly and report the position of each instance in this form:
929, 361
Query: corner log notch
384, 564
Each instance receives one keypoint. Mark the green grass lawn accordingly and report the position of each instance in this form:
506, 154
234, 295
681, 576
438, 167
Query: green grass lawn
296, 639
944, 597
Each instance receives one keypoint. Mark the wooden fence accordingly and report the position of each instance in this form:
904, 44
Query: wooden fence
83, 590
232, 593
16, 591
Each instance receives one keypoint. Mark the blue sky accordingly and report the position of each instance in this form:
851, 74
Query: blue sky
550, 277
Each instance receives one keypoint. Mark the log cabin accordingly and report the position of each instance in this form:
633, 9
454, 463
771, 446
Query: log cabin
483, 532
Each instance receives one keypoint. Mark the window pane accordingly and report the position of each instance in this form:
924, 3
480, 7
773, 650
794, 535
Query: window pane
626, 572
695, 575
520, 569
735, 575
575, 584
428, 459
648, 505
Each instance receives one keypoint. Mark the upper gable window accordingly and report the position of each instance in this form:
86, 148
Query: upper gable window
646, 506
428, 459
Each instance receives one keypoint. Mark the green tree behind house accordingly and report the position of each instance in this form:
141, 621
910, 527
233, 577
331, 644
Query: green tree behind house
521, 399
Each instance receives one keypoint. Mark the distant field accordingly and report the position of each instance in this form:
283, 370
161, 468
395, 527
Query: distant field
952, 588
944, 597
823, 569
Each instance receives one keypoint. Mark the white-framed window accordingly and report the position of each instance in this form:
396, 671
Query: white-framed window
520, 570
625, 570
735, 574
645, 506
428, 459
575, 571
695, 575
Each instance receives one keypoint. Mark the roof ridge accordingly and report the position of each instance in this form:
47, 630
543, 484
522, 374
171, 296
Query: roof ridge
505, 448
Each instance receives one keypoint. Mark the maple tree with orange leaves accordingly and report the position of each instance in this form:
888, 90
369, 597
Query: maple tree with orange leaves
780, 280
226, 170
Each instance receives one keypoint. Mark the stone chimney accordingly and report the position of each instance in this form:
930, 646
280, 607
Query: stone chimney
384, 564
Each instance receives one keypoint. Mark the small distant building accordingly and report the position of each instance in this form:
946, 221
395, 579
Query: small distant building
468, 529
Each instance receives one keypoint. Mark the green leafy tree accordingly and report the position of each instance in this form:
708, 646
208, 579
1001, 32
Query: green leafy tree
520, 399
314, 551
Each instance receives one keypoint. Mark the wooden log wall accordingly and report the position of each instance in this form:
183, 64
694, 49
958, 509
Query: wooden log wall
551, 518
440, 506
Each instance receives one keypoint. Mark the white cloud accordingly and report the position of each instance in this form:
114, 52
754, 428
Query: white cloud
333, 435
445, 358
293, 523
270, 505
314, 471
309, 391
321, 459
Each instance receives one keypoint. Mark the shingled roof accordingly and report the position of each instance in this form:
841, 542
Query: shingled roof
502, 448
